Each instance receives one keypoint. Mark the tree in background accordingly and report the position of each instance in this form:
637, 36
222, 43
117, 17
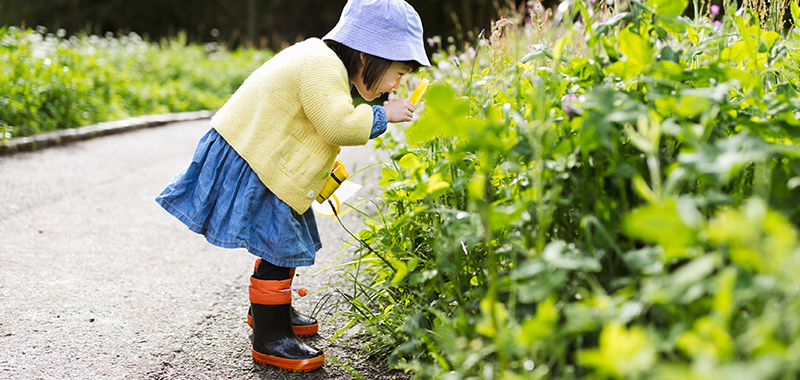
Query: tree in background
258, 23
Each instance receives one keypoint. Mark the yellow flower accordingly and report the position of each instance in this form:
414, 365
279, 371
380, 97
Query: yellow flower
527, 66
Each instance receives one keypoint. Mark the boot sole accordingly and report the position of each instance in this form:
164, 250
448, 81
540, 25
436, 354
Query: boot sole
292, 365
306, 331
302, 331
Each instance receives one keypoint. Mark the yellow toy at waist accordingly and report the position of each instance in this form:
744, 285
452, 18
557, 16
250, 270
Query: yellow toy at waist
338, 175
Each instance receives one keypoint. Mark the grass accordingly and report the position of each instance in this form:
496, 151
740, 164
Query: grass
52, 81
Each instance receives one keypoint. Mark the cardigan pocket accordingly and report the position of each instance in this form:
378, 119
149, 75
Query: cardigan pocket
295, 161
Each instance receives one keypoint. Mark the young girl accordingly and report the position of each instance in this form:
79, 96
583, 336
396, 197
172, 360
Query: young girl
271, 146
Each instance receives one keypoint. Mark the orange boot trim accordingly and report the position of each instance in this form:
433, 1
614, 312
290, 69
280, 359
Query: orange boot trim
294, 365
270, 292
307, 330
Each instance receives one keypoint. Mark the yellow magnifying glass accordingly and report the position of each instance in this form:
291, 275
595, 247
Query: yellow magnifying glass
417, 94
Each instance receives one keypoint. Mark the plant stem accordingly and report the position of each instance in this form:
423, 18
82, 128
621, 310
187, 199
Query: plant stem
363, 243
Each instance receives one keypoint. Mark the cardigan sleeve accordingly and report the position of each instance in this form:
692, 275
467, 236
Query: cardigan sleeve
379, 123
326, 101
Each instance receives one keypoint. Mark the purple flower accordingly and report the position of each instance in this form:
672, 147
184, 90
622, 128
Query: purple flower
430, 42
714, 9
717, 24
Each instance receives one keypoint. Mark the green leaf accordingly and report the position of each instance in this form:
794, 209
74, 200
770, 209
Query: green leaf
646, 260
638, 52
676, 26
758, 238
625, 69
502, 216
559, 46
723, 299
684, 284
493, 313
559, 255
622, 352
641, 188
437, 186
635, 47
417, 133
409, 161
692, 105
445, 115
707, 339
388, 175
593, 131
692, 34
537, 51
602, 28
661, 224
737, 52
668, 8
401, 271
440, 101
540, 326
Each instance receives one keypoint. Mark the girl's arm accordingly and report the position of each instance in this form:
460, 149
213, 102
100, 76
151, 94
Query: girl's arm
325, 98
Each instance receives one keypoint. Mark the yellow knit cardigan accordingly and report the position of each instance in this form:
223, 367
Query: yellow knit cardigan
289, 119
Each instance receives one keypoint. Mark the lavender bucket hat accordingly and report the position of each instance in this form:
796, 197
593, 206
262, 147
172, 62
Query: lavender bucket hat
390, 29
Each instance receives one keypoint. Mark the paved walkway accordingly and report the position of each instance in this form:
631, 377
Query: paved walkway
97, 281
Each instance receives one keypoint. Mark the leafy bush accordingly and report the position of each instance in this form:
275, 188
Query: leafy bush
50, 82
616, 201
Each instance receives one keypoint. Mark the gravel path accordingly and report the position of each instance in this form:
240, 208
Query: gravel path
97, 281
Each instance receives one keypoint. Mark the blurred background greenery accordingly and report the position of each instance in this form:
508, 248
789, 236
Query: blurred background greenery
252, 23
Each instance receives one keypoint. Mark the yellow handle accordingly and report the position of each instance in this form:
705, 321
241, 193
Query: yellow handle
421, 87
338, 175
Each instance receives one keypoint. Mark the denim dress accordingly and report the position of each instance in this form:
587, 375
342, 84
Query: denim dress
220, 197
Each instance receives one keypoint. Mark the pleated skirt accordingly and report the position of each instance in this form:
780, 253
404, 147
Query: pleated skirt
220, 197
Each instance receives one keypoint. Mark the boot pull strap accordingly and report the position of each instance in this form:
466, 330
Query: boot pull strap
300, 291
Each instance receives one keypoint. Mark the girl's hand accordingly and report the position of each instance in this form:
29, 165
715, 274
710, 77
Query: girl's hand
399, 110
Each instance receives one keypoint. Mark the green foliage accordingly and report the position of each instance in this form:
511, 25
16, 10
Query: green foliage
628, 212
49, 82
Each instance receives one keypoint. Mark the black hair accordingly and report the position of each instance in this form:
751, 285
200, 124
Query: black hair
372, 67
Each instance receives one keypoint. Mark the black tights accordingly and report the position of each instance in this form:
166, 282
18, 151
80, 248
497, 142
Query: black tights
268, 271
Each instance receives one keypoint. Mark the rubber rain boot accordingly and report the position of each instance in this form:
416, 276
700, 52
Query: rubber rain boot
302, 324
274, 340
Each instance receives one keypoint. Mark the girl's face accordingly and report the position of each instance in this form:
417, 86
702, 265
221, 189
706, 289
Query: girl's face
389, 82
